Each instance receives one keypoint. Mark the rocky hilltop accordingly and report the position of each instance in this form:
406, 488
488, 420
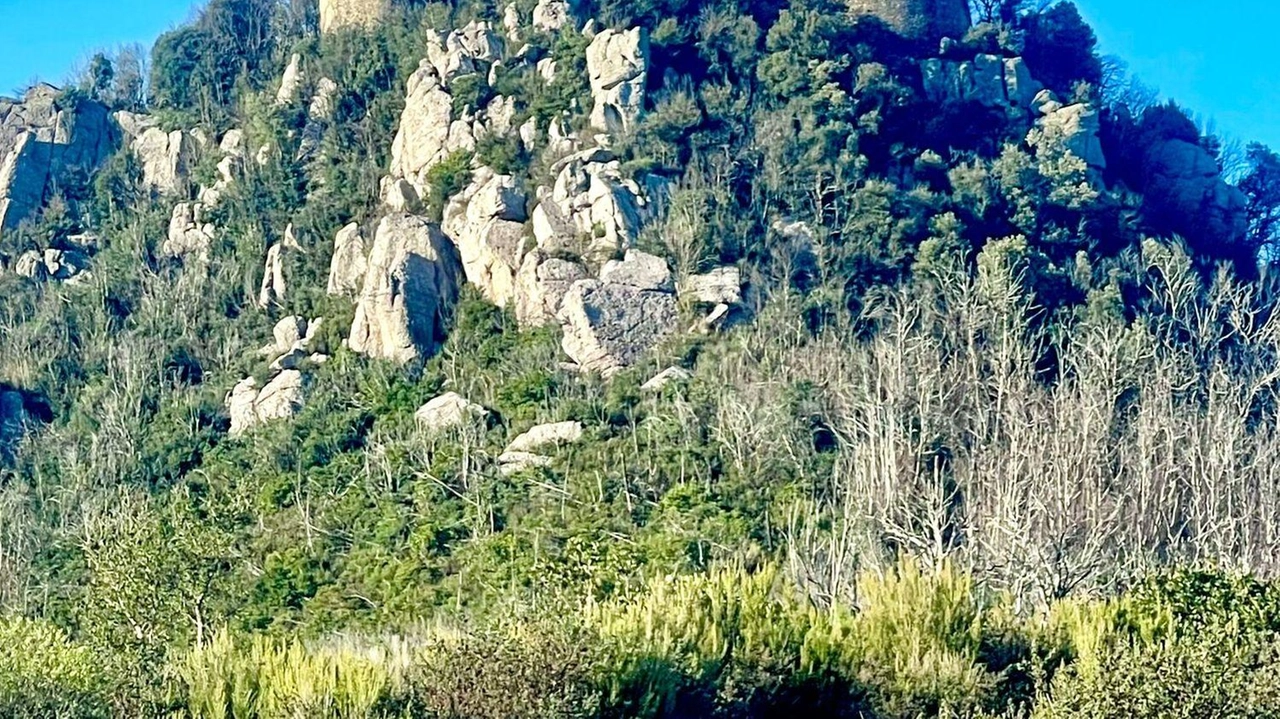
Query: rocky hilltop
612, 359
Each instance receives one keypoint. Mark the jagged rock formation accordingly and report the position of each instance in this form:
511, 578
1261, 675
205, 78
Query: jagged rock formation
592, 210
430, 130
282, 398
541, 285
230, 166
42, 142
190, 235
927, 20
987, 80
618, 68
551, 15
611, 322
721, 286
486, 222
340, 14
1076, 126
53, 264
291, 82
167, 158
274, 283
409, 292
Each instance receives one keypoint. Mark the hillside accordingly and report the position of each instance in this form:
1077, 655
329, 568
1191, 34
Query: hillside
895, 358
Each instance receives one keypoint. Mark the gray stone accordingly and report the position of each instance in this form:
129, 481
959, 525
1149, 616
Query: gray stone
610, 326
448, 411
349, 265
511, 463
1077, 127
409, 293
336, 15
639, 270
722, 285
550, 15
486, 222
188, 237
546, 435
43, 144
669, 376
541, 285
618, 70
291, 82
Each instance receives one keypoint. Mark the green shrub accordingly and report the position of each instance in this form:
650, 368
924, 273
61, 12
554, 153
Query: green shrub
43, 673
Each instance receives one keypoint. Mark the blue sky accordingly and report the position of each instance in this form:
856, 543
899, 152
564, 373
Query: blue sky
1216, 58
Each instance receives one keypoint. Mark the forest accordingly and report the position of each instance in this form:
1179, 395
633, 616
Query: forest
987, 423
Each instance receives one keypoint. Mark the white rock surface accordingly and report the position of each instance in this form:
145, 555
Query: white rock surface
349, 265
618, 70
409, 292
546, 435
448, 411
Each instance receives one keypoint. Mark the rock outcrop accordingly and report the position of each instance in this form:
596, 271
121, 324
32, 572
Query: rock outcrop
618, 69
430, 129
167, 158
406, 302
721, 286
448, 411
319, 114
44, 140
526, 451
487, 223
987, 80
592, 210
551, 15
291, 82
338, 15
282, 398
611, 322
190, 234
541, 285
349, 264
230, 166
62, 265
1184, 181
1077, 127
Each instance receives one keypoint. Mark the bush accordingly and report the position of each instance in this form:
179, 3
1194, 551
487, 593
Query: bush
43, 673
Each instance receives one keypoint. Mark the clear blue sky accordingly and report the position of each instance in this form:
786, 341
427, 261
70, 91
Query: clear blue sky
1217, 58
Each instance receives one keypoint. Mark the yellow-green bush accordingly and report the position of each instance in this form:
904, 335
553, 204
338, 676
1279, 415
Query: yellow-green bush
43, 673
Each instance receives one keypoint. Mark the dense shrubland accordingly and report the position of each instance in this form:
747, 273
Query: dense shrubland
1000, 440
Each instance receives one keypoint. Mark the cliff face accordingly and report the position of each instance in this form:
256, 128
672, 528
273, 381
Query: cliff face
919, 19
338, 14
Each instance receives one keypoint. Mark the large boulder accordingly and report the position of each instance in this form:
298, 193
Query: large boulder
1184, 189
541, 285
282, 398
721, 286
618, 70
551, 15
547, 435
466, 50
409, 293
291, 82
448, 411
338, 15
611, 322
46, 139
348, 267
486, 221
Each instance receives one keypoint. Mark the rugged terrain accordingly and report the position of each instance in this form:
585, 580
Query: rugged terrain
605, 359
